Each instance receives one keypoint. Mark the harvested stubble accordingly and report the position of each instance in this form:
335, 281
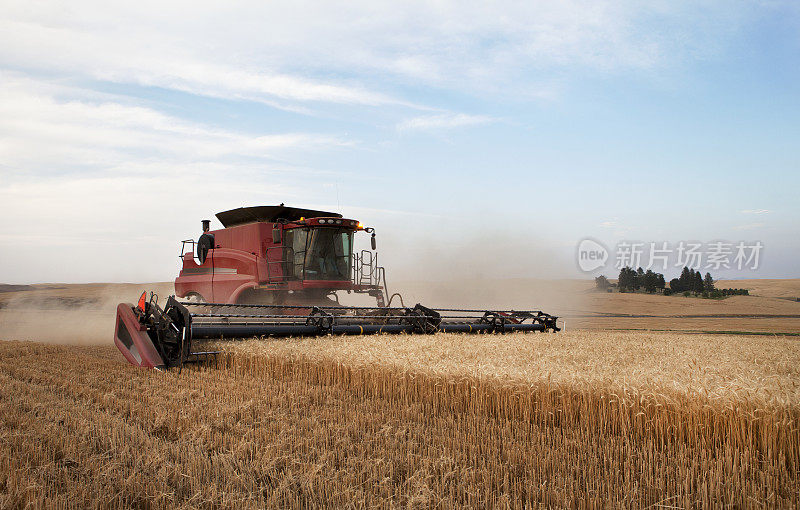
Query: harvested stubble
293, 429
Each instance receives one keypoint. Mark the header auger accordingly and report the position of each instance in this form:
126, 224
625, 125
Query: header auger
274, 271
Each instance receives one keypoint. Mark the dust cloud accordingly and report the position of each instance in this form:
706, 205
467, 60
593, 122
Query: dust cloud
493, 272
557, 297
68, 314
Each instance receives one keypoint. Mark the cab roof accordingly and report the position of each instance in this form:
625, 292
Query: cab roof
270, 214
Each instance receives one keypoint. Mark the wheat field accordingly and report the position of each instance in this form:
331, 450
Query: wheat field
584, 419
714, 367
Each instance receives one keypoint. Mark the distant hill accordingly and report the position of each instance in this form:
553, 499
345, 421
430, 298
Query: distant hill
6, 287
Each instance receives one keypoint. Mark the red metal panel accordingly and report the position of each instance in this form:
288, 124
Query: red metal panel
195, 278
131, 339
232, 269
246, 238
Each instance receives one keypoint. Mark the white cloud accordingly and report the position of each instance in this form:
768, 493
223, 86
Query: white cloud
756, 211
128, 60
40, 131
749, 226
443, 121
285, 53
617, 228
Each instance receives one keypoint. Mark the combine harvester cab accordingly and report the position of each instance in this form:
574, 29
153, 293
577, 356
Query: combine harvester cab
275, 271
279, 255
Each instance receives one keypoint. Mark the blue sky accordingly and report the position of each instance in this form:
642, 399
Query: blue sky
481, 139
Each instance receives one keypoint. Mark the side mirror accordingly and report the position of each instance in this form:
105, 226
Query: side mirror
372, 242
276, 236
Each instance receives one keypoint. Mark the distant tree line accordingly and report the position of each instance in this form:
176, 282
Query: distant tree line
602, 283
631, 280
692, 281
689, 282
733, 292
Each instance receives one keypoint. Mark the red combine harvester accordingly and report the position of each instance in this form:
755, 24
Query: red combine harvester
275, 271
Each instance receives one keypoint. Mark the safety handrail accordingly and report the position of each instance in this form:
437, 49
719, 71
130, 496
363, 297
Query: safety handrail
281, 264
366, 270
183, 248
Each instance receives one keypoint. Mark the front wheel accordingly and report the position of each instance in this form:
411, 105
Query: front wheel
194, 297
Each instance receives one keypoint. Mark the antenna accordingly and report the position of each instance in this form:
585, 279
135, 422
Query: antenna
338, 205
